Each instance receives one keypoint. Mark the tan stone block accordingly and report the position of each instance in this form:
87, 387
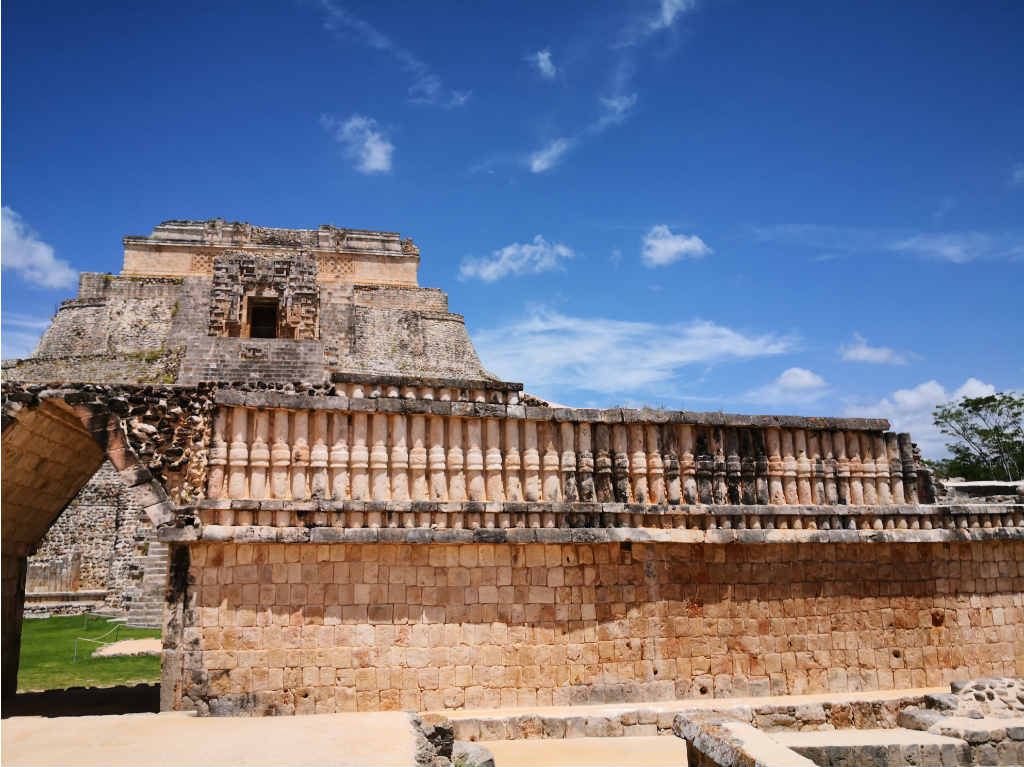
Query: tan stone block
410, 700
534, 555
366, 679
241, 680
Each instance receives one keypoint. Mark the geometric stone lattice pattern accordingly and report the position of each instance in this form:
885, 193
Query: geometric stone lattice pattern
290, 279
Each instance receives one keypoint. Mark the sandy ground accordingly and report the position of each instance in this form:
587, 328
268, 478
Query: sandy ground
384, 738
656, 751
129, 647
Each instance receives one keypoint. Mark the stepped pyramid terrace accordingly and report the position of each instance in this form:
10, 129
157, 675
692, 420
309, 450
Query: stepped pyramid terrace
358, 516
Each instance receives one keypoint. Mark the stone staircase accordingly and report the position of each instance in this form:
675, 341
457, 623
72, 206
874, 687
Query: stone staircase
145, 603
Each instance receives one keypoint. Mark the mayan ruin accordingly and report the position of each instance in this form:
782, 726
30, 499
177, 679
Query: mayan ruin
352, 514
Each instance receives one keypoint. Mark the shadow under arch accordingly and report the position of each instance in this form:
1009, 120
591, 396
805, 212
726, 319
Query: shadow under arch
51, 448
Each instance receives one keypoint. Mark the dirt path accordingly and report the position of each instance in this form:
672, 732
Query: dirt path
128, 647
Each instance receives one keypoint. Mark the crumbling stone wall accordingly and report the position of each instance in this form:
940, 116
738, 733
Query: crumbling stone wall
107, 530
410, 342
113, 315
286, 628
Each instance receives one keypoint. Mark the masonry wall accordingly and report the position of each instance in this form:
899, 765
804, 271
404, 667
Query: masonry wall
107, 531
113, 315
303, 628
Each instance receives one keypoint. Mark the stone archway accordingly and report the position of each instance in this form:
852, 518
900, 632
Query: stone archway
51, 447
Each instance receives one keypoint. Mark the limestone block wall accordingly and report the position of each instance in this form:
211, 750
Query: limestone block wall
158, 366
284, 628
410, 342
396, 297
254, 359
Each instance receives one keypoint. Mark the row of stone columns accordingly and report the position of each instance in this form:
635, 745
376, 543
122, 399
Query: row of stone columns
300, 454
439, 393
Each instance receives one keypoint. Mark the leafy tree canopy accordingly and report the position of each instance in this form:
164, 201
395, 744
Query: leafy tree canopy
988, 434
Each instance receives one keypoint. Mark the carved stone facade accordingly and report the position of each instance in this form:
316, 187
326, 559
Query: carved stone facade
327, 301
240, 279
359, 517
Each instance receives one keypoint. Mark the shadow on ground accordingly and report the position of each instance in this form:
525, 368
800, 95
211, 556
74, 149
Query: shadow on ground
85, 701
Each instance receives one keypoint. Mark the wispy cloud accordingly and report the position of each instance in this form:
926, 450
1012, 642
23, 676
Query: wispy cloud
831, 239
616, 109
21, 333
363, 142
542, 60
953, 247
619, 100
563, 352
1017, 174
910, 410
793, 386
961, 247
663, 16
427, 86
548, 156
669, 11
30, 258
861, 351
517, 258
661, 247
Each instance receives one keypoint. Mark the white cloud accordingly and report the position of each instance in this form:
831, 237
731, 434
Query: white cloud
669, 11
861, 351
558, 351
21, 333
793, 386
426, 87
662, 247
517, 258
1017, 174
910, 410
542, 60
364, 144
547, 157
32, 259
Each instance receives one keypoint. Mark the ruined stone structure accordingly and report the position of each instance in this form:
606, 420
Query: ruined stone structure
92, 559
360, 517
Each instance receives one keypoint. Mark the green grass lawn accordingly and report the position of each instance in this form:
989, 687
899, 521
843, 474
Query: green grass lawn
48, 645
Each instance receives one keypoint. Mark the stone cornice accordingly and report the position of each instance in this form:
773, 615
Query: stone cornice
505, 522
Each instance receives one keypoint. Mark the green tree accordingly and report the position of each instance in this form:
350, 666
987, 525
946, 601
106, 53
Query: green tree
988, 435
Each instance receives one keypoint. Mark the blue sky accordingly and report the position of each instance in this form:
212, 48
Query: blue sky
804, 207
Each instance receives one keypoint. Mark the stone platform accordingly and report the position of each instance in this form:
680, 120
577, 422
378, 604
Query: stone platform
183, 739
